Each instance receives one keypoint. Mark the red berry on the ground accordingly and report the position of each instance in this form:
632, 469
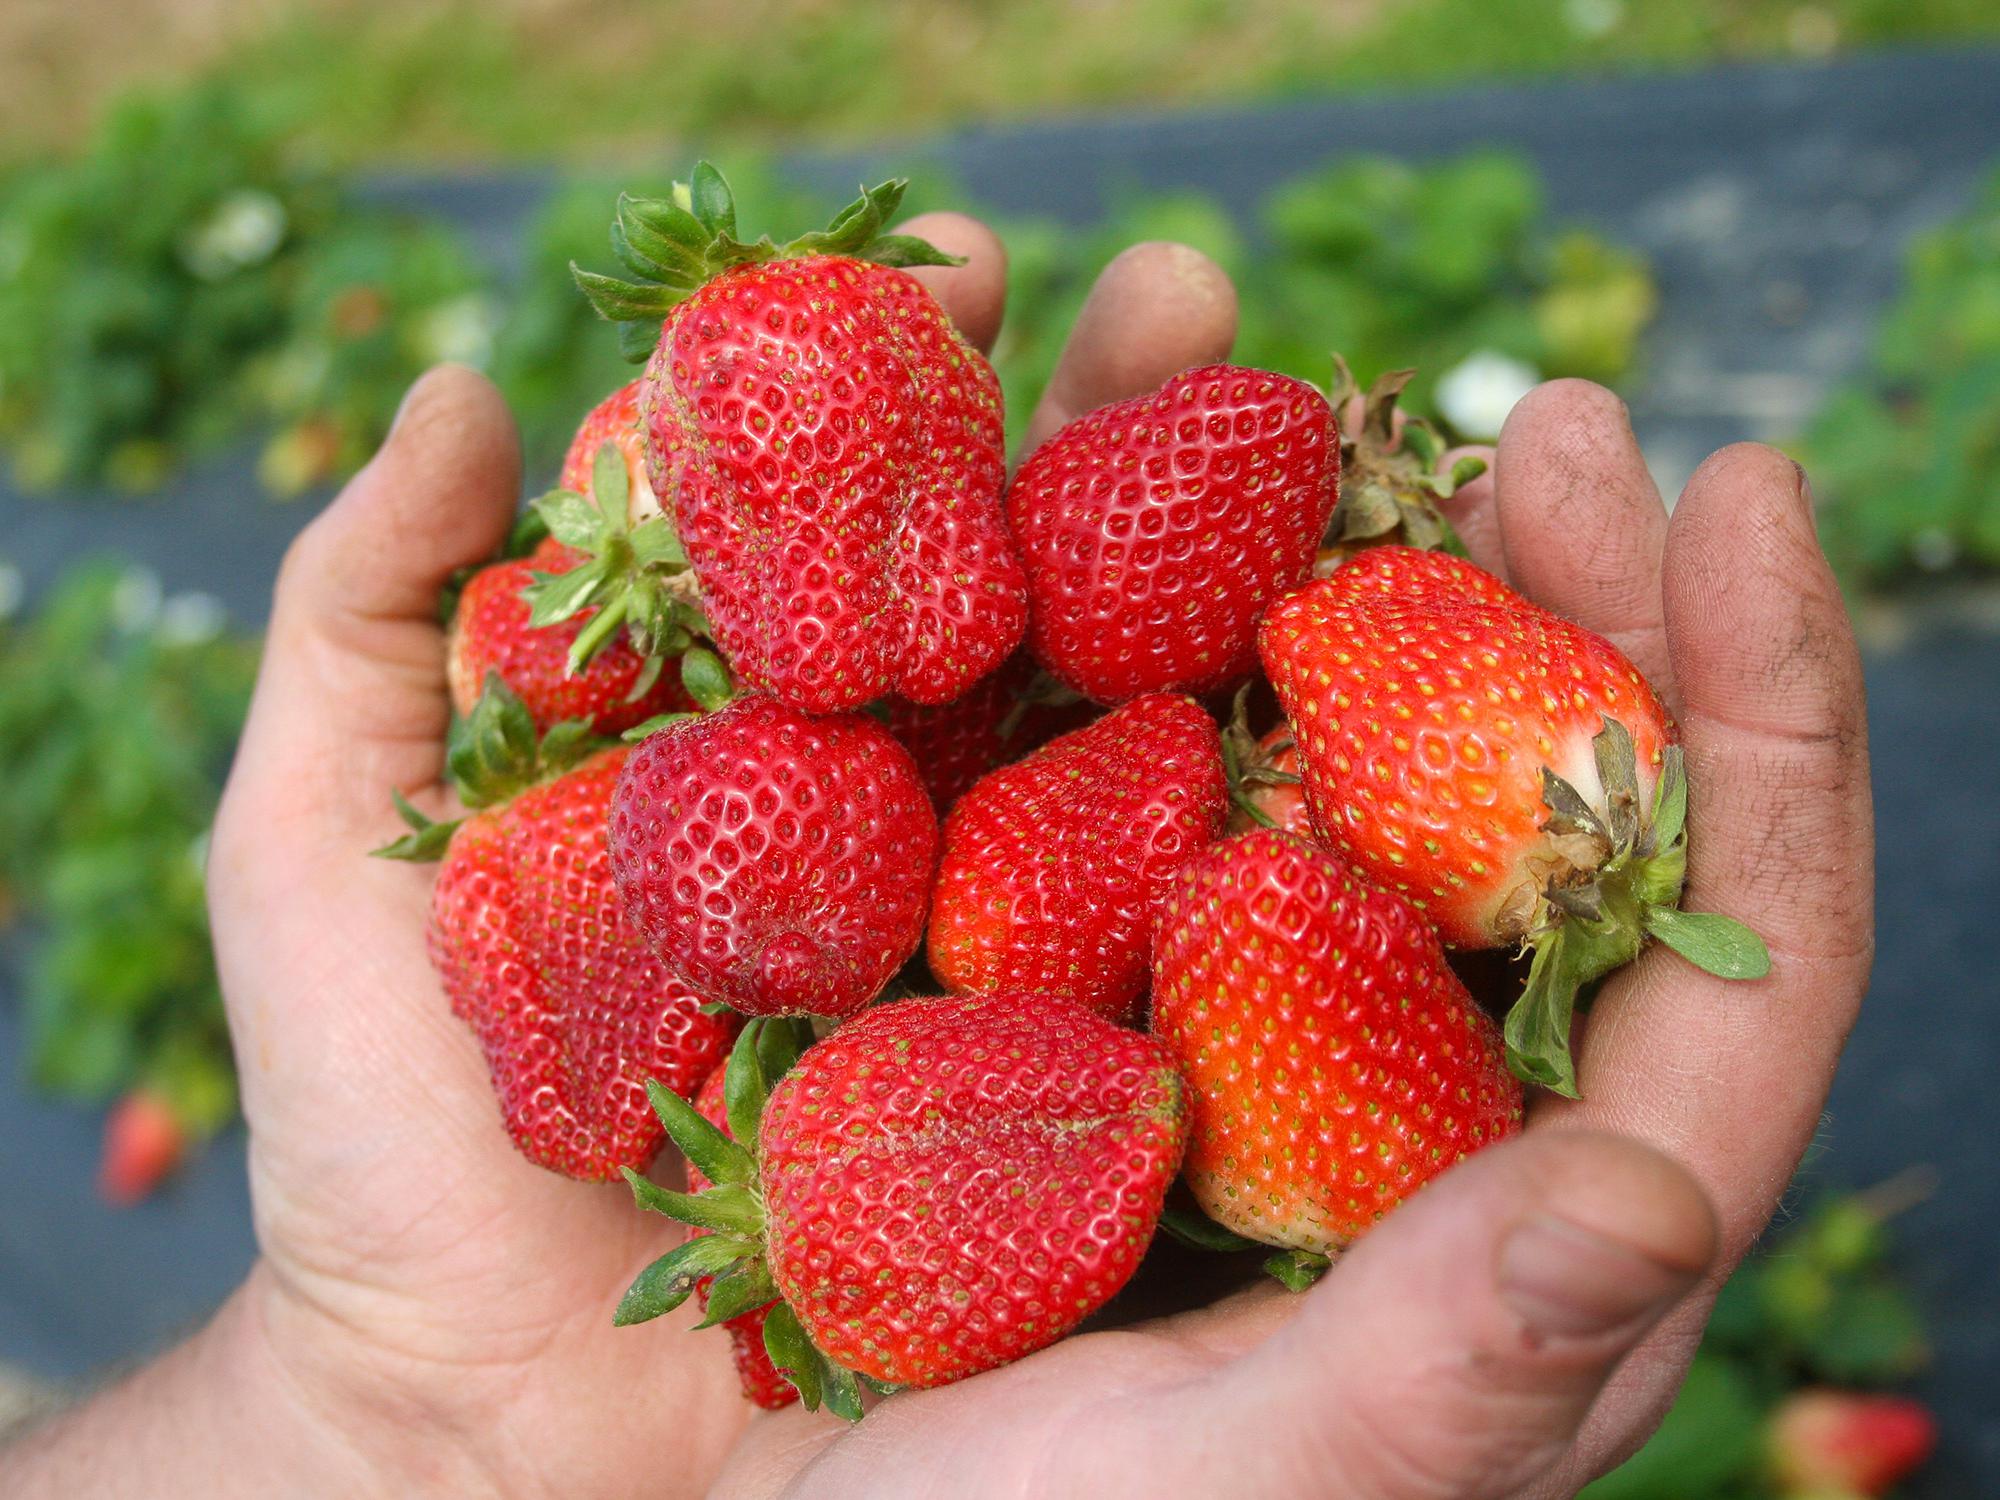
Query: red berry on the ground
1848, 1443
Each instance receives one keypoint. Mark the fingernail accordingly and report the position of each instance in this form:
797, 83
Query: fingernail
1566, 1281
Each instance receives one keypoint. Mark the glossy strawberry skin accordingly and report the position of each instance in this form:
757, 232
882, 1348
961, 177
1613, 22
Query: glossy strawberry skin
572, 1011
954, 1182
1154, 532
762, 1384
779, 862
833, 453
1427, 697
956, 743
490, 633
1054, 867
1334, 1062
615, 420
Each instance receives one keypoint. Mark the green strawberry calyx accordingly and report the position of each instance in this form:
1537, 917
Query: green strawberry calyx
1248, 764
492, 755
1390, 486
730, 1255
676, 245
1615, 881
1294, 1269
636, 577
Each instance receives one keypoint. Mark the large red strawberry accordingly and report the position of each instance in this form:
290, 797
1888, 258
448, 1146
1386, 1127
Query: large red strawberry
1155, 531
1000, 719
941, 1186
777, 861
1054, 867
1334, 1062
762, 1384
1510, 772
830, 447
531, 943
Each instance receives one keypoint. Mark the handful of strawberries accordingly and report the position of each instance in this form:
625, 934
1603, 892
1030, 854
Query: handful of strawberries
1038, 842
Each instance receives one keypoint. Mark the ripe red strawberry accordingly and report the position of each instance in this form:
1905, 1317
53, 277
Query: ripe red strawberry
762, 1384
1846, 1445
1509, 772
829, 445
491, 632
997, 721
1155, 531
777, 861
144, 1140
572, 1011
1054, 867
1334, 1062
614, 420
941, 1186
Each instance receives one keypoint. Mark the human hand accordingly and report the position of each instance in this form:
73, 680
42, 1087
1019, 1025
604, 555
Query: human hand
1519, 1326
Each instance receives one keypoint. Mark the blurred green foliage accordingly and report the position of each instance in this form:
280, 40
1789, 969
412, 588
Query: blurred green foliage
1904, 459
1820, 1306
118, 711
182, 281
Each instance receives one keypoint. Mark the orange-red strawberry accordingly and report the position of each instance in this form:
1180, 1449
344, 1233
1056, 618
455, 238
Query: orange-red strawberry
144, 1140
1510, 772
997, 721
614, 420
572, 1010
941, 1186
1155, 531
491, 632
1334, 1062
1848, 1445
778, 861
1054, 867
762, 1384
831, 449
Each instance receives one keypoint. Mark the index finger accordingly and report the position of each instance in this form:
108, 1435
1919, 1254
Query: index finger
974, 295
1730, 1077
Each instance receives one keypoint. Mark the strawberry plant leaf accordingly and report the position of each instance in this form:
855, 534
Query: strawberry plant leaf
653, 726
714, 205
744, 1089
1297, 1270
792, 1354
426, 841
841, 1390
729, 1209
1537, 1028
555, 597
667, 1282
736, 1292
637, 339
721, 1160
706, 679
571, 520
610, 485
905, 250
1713, 943
1670, 799
621, 301
1198, 1231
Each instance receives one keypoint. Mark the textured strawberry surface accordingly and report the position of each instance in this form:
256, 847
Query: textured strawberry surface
490, 633
1427, 697
950, 1183
1155, 531
613, 420
956, 743
572, 1010
762, 1384
1334, 1062
833, 453
1054, 867
778, 861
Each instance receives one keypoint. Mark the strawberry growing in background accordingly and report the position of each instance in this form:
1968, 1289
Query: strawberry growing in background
829, 446
779, 862
1334, 1062
762, 1384
941, 1186
1848, 1445
1508, 772
1054, 867
144, 1140
530, 941
1155, 531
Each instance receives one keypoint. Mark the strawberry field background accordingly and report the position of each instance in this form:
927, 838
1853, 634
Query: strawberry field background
1721, 246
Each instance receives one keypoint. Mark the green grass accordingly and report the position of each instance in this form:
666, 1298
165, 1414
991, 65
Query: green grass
505, 79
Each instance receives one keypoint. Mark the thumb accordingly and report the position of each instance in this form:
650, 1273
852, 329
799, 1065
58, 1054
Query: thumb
1456, 1350
351, 699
